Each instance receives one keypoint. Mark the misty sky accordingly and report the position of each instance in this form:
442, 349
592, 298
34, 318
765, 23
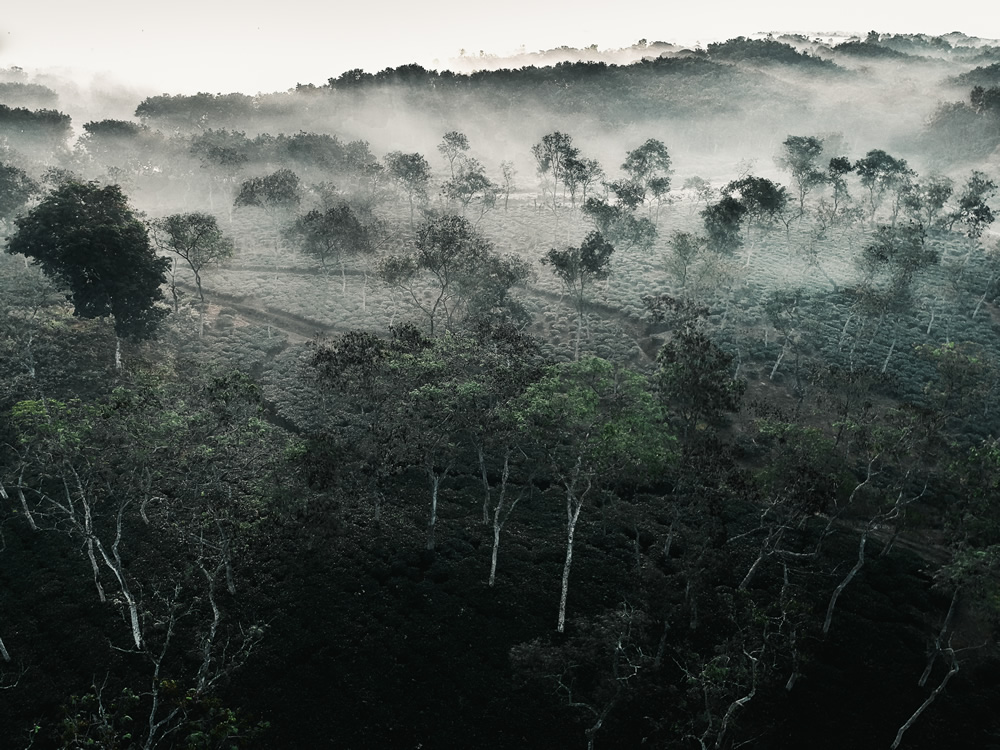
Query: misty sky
184, 46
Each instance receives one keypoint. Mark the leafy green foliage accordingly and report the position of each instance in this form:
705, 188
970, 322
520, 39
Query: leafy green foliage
694, 378
468, 279
596, 417
617, 222
88, 239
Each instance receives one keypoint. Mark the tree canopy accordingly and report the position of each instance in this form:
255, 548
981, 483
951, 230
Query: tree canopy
87, 238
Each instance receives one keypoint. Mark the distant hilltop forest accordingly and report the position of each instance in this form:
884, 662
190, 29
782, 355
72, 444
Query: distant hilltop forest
937, 97
614, 399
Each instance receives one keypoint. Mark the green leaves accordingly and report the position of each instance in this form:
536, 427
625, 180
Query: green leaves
594, 412
87, 238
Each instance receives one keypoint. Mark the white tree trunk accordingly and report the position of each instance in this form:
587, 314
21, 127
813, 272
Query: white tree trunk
843, 584
930, 699
573, 507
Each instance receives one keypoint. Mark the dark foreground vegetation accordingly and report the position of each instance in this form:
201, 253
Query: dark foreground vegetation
592, 405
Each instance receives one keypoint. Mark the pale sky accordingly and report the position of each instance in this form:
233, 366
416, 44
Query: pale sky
184, 46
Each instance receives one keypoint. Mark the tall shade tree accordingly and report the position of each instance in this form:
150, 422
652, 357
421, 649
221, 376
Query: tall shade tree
836, 174
330, 235
551, 155
577, 268
276, 194
196, 239
881, 173
453, 147
723, 221
472, 185
87, 238
888, 266
465, 276
595, 422
580, 174
973, 210
412, 173
648, 167
800, 155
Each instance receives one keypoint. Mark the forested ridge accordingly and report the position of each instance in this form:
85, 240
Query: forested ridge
588, 405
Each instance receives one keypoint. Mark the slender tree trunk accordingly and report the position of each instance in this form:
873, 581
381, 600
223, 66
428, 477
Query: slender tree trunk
574, 504
435, 484
940, 637
892, 348
843, 584
487, 499
24, 506
926, 704
500, 518
574, 515
435, 479
777, 362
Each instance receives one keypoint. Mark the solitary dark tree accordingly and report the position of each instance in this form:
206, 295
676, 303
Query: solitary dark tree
722, 224
412, 173
332, 234
577, 267
87, 238
648, 167
195, 238
453, 147
277, 195
800, 155
973, 211
551, 155
880, 173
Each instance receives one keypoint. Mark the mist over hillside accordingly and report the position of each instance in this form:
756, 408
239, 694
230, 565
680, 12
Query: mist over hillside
615, 398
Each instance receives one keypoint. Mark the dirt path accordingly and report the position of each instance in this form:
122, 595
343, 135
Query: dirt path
302, 327
298, 327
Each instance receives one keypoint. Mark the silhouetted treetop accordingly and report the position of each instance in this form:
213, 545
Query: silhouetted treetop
742, 49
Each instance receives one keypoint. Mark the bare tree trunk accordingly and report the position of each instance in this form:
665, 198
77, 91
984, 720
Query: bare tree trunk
435, 479
926, 704
937, 641
574, 515
574, 504
435, 483
24, 506
487, 499
777, 362
847, 579
500, 518
892, 348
